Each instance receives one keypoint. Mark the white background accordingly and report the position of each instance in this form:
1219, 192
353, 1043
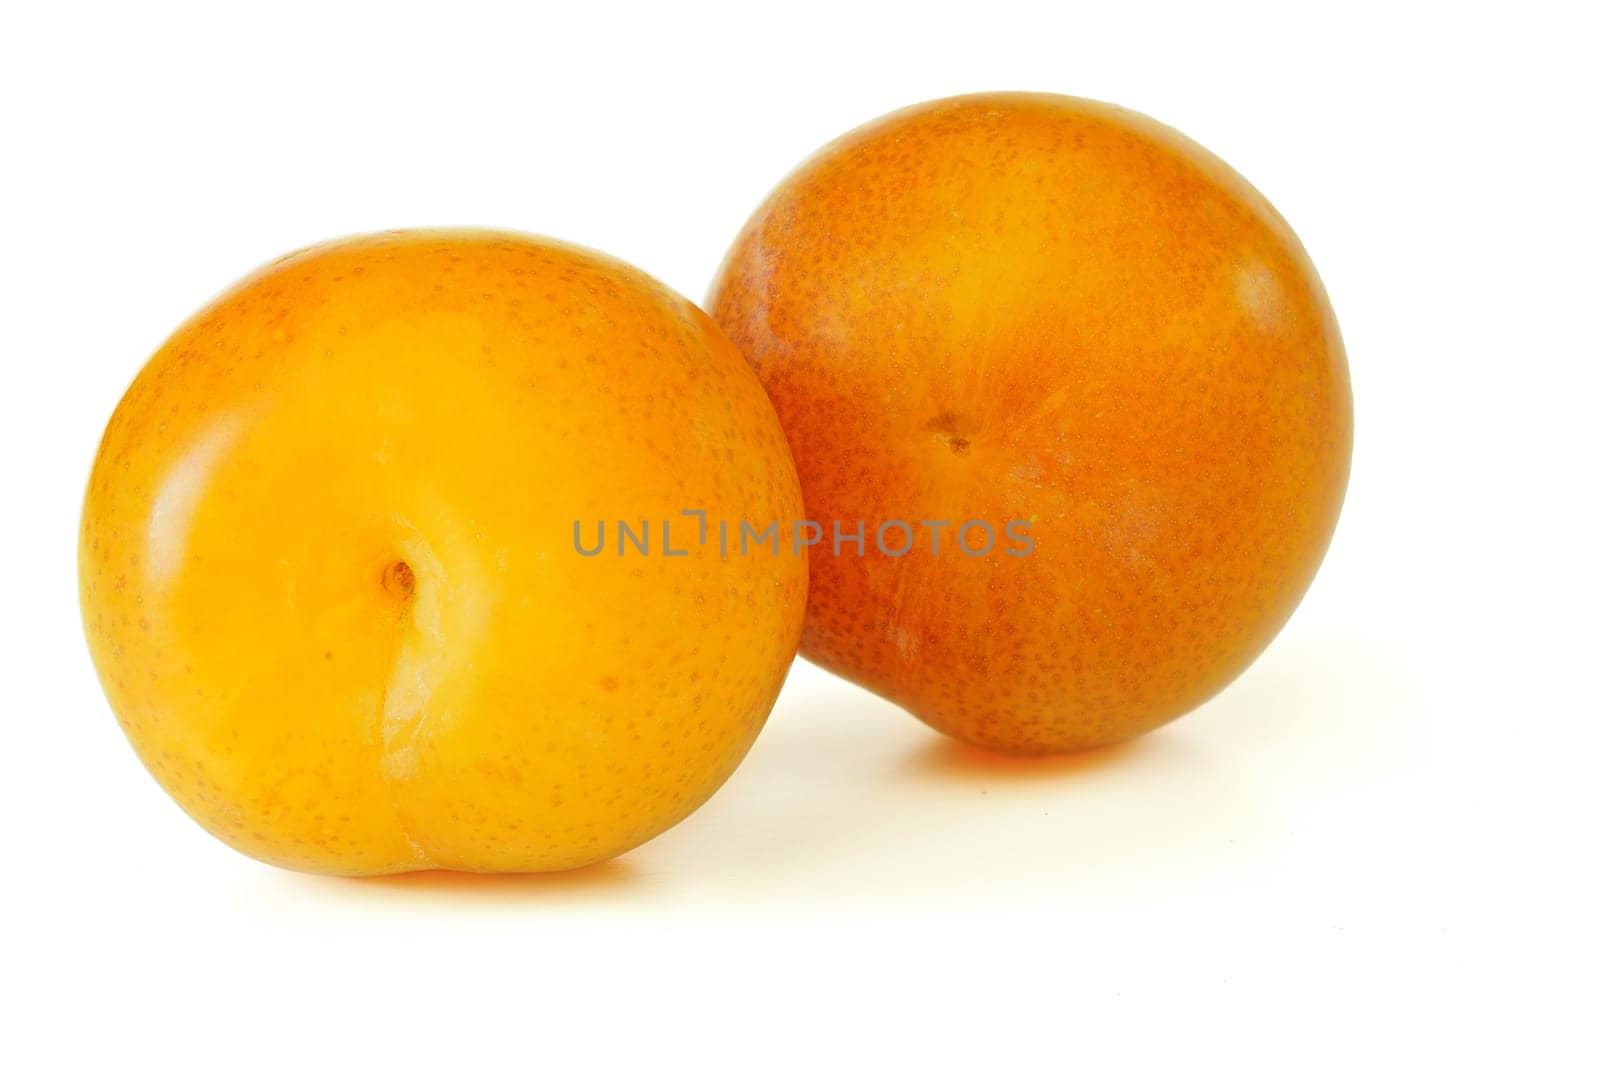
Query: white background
1378, 844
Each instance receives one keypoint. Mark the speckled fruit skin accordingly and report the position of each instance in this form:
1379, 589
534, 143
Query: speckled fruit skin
1022, 306
328, 573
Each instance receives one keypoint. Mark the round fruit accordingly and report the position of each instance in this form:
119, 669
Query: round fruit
1033, 309
330, 571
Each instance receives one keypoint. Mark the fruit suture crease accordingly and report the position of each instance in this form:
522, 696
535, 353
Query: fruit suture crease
1077, 335
892, 537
